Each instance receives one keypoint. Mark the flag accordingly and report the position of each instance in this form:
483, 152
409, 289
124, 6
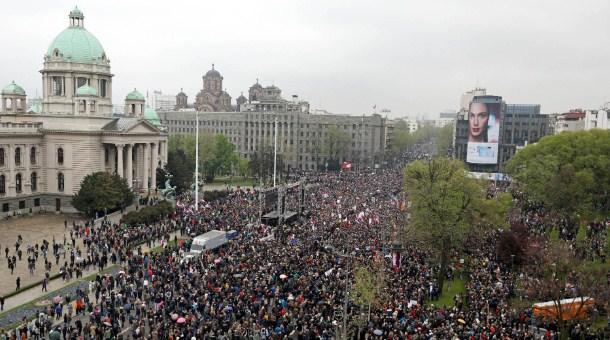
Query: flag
395, 259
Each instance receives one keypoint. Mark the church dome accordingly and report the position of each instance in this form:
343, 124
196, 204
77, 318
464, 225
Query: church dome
76, 44
213, 73
86, 91
257, 86
13, 89
134, 95
151, 116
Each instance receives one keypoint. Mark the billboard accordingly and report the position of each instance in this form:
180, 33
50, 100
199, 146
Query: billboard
484, 119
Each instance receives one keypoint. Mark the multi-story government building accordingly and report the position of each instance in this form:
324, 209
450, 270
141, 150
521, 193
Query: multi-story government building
45, 152
301, 136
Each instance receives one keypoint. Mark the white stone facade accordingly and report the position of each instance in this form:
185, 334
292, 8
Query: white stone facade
45, 156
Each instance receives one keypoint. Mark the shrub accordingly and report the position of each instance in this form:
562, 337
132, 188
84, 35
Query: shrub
215, 194
148, 214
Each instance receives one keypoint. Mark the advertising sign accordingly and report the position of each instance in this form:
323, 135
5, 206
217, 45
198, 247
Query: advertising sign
484, 119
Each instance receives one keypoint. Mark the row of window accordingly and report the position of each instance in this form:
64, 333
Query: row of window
256, 124
6, 206
33, 183
60, 156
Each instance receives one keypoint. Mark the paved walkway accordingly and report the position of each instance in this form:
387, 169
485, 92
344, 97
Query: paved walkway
56, 287
7, 283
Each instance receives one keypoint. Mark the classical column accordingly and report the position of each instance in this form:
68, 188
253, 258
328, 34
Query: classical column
155, 164
146, 160
137, 166
111, 158
119, 168
103, 158
129, 165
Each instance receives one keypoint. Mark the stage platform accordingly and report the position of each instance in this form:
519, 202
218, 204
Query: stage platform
272, 217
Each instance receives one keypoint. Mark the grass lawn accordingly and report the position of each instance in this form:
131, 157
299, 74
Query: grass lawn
450, 289
600, 323
597, 265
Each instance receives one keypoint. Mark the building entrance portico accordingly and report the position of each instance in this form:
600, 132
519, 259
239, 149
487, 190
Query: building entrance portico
136, 157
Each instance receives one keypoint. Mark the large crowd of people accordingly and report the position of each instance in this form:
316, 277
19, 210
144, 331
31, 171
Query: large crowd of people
294, 281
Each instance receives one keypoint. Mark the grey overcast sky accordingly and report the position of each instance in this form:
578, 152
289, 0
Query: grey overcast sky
412, 57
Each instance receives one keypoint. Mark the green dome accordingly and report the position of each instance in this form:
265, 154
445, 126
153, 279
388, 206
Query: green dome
76, 44
86, 91
13, 89
151, 115
134, 95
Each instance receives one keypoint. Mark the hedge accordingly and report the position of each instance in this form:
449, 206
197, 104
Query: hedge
148, 214
215, 194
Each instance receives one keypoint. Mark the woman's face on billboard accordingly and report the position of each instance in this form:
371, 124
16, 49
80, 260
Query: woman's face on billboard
477, 119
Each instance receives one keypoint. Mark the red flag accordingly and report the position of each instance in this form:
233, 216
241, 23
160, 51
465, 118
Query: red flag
395, 259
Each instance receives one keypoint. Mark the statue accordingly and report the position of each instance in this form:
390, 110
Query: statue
169, 192
193, 188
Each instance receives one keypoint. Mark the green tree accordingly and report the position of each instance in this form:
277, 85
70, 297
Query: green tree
217, 154
102, 192
161, 177
221, 159
444, 139
445, 203
493, 212
581, 237
569, 173
336, 144
242, 166
368, 286
181, 168
261, 162
403, 139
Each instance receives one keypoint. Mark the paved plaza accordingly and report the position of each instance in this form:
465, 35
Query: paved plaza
33, 230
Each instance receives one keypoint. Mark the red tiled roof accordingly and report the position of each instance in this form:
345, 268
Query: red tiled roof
573, 115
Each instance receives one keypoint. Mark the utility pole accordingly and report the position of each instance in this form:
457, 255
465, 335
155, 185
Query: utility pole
197, 161
275, 152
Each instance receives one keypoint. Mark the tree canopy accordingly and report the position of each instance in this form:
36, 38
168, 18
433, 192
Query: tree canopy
261, 163
336, 144
446, 205
102, 192
217, 155
403, 139
181, 169
569, 173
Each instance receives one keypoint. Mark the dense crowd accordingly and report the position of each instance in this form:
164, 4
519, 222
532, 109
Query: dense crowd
283, 282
